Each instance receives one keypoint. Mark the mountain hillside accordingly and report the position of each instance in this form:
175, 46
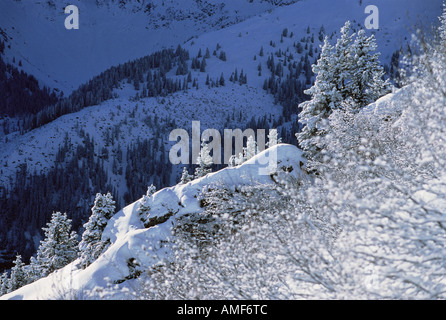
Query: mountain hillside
113, 32
145, 239
110, 32
91, 111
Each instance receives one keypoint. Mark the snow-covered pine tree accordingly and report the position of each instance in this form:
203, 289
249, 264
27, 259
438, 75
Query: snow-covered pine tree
92, 244
273, 138
342, 62
324, 97
366, 82
238, 160
17, 278
232, 161
143, 204
33, 270
348, 73
150, 190
59, 246
4, 283
204, 161
185, 176
251, 148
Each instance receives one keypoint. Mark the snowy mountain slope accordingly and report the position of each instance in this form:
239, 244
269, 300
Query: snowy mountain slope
38, 148
398, 20
241, 43
110, 32
114, 33
110, 274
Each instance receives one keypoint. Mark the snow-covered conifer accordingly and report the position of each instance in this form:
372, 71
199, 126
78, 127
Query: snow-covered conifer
59, 246
4, 283
17, 278
144, 202
273, 138
324, 97
251, 148
185, 176
366, 82
348, 72
205, 161
92, 244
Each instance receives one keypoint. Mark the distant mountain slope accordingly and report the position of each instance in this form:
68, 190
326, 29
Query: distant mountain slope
111, 32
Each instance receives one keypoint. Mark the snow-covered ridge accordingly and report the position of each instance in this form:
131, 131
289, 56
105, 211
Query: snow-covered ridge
132, 241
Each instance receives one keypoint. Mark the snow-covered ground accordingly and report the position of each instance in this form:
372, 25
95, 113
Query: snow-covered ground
110, 34
211, 107
131, 240
105, 42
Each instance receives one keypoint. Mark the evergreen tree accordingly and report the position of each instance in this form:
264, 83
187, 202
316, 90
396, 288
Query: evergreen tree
205, 162
185, 176
222, 56
273, 138
366, 75
324, 98
92, 244
347, 73
18, 275
203, 65
251, 148
4, 283
207, 55
59, 246
144, 202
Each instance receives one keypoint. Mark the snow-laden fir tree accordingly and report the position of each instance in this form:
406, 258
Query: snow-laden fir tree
4, 283
251, 148
17, 278
204, 161
58, 248
324, 97
238, 160
92, 244
185, 176
144, 202
366, 83
348, 72
273, 138
232, 161
342, 63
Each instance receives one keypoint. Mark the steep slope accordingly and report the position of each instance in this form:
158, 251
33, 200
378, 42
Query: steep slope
111, 274
113, 32
110, 32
